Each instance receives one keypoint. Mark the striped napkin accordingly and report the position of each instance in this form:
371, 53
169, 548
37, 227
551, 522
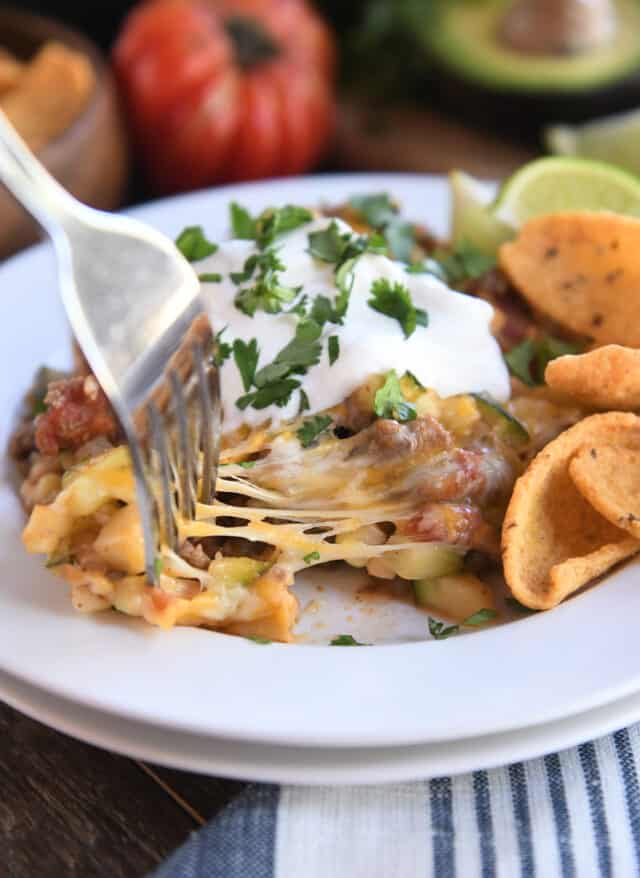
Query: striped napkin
575, 813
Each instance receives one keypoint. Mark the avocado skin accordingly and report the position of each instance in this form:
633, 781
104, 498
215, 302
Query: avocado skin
524, 114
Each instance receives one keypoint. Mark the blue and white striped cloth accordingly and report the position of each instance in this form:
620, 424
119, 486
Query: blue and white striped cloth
575, 813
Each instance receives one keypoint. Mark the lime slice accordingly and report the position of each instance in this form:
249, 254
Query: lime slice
556, 184
471, 217
614, 139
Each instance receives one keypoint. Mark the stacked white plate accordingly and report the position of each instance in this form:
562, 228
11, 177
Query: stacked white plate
404, 708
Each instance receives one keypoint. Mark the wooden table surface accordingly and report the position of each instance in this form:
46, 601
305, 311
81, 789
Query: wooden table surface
70, 810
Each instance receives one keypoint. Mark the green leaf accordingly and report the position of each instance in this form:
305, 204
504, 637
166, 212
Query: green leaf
193, 245
415, 380
257, 639
333, 345
246, 357
158, 564
481, 617
394, 300
401, 239
312, 428
247, 464
278, 393
463, 263
516, 605
346, 640
302, 351
376, 210
243, 225
304, 403
211, 277
529, 359
440, 631
267, 294
427, 266
250, 263
223, 349
312, 556
329, 244
276, 221
389, 401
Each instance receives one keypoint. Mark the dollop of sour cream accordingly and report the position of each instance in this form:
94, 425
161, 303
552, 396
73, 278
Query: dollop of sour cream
455, 353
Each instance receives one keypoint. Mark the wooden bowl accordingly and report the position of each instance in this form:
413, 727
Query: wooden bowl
90, 158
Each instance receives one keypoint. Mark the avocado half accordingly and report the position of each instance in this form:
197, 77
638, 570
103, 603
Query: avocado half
462, 36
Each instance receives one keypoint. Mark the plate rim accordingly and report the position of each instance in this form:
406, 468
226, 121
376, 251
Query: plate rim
379, 737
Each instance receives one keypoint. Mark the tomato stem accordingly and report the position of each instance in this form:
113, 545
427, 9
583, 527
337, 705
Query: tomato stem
252, 43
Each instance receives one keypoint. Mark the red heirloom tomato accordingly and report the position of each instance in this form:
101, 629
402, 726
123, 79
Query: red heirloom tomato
226, 89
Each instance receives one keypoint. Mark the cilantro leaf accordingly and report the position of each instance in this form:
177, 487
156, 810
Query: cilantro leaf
211, 277
394, 300
243, 225
312, 428
427, 266
390, 403
304, 403
276, 221
333, 345
329, 244
257, 639
312, 556
380, 213
346, 640
277, 393
516, 605
463, 263
246, 357
267, 294
440, 631
529, 359
193, 245
302, 351
223, 349
158, 564
376, 210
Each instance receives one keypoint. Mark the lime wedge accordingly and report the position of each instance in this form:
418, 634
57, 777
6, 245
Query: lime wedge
614, 139
471, 217
556, 184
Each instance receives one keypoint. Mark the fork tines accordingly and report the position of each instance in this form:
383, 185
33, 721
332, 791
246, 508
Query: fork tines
180, 432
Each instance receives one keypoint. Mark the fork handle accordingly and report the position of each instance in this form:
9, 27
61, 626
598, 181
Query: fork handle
31, 184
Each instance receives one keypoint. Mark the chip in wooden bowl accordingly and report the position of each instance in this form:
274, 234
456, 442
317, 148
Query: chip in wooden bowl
582, 269
605, 378
553, 540
608, 477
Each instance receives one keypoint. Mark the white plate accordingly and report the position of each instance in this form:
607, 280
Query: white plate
582, 655
220, 757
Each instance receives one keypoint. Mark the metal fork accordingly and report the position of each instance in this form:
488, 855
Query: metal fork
134, 305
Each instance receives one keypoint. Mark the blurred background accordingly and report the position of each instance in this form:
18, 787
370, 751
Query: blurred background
129, 101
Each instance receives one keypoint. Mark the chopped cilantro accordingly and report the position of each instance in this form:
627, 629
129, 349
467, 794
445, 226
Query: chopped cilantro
223, 349
300, 307
304, 402
39, 406
243, 224
440, 631
529, 359
463, 263
302, 351
267, 294
390, 403
516, 605
193, 245
246, 357
427, 266
211, 277
394, 300
415, 380
312, 428
380, 213
346, 640
333, 345
312, 556
247, 464
278, 393
158, 564
276, 221
257, 639
330, 244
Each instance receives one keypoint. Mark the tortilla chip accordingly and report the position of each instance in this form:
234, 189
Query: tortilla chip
605, 378
582, 269
553, 540
608, 477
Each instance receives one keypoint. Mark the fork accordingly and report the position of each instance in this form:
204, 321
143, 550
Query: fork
134, 305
